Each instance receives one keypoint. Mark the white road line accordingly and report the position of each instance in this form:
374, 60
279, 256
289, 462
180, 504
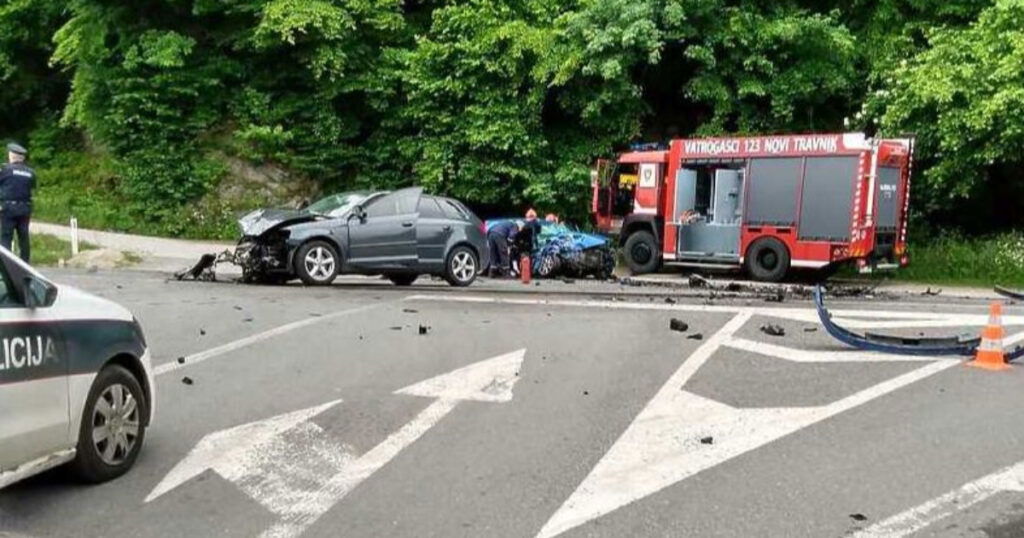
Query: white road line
796, 314
803, 355
201, 356
905, 523
662, 445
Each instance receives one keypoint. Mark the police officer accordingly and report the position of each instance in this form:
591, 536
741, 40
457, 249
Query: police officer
16, 183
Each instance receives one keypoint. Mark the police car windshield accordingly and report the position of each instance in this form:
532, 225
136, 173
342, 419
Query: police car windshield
336, 205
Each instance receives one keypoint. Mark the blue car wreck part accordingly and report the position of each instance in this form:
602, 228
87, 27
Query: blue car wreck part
1007, 292
560, 250
938, 346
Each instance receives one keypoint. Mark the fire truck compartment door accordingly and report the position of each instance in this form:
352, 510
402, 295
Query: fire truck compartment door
825, 211
709, 241
727, 197
887, 199
686, 192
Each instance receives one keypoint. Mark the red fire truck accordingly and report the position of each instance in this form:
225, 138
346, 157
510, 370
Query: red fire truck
766, 204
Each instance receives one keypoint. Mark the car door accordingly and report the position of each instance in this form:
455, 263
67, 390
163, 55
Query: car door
385, 236
432, 232
34, 421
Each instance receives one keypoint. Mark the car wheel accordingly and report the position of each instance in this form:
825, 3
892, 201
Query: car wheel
461, 267
403, 279
548, 265
113, 426
642, 253
317, 263
767, 260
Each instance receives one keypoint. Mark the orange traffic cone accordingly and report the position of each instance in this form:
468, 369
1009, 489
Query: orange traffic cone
990, 352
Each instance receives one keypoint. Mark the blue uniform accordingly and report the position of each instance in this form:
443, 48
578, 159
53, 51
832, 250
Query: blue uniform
17, 181
498, 237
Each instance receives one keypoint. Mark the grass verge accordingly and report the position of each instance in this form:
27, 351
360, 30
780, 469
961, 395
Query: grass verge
49, 250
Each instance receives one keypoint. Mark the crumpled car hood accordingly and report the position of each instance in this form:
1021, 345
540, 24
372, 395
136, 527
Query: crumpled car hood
263, 220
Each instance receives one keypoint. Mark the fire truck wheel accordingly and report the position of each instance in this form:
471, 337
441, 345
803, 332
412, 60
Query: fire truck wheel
767, 260
641, 253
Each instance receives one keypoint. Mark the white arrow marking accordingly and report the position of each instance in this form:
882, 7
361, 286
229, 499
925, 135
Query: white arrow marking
662, 446
236, 452
1007, 479
287, 464
490, 380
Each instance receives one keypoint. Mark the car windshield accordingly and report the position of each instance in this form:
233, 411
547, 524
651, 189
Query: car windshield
337, 204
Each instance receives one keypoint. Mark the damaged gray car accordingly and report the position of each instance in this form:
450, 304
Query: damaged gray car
401, 235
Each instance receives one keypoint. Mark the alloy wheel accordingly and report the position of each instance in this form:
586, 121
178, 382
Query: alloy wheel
115, 424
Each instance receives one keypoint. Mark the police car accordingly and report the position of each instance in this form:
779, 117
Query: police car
76, 384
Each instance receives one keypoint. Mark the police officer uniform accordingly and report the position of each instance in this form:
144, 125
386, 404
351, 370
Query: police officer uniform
16, 184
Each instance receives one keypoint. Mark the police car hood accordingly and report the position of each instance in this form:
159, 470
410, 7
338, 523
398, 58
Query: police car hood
263, 220
72, 302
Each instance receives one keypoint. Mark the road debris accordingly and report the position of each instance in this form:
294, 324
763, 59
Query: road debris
181, 360
396, 328
187, 380
410, 311
810, 329
670, 300
202, 332
929, 291
678, 325
246, 320
1007, 292
772, 329
695, 336
776, 296
858, 517
707, 440
585, 393
697, 281
424, 329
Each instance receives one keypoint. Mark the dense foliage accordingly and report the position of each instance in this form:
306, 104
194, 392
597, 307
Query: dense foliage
139, 111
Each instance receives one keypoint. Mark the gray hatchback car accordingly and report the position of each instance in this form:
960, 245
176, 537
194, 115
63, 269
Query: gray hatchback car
401, 234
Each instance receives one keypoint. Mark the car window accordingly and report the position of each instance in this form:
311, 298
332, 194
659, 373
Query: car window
397, 203
429, 209
8, 297
453, 210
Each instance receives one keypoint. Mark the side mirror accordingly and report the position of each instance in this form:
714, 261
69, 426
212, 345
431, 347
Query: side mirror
359, 213
38, 294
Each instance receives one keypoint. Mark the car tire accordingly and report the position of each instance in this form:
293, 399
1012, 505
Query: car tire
642, 253
461, 266
548, 266
115, 408
767, 260
317, 263
403, 279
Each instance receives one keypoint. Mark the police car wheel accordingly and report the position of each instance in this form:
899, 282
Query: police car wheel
317, 263
113, 426
461, 266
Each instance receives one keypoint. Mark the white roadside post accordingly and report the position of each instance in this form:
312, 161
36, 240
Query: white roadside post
74, 236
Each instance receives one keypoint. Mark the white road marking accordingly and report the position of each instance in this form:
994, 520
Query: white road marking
1007, 479
486, 381
940, 319
803, 355
195, 358
290, 467
662, 445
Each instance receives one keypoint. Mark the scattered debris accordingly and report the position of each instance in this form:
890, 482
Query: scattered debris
202, 332
773, 330
695, 336
360, 337
670, 300
315, 314
396, 328
237, 307
246, 320
679, 325
734, 287
187, 380
424, 329
410, 310
181, 360
697, 281
858, 517
777, 296
585, 393
929, 291
810, 329
568, 280
202, 270
118, 286
707, 440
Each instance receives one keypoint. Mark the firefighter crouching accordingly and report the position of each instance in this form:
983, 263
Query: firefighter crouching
17, 181
498, 238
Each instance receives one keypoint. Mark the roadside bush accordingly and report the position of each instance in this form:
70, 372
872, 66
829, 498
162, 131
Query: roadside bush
955, 259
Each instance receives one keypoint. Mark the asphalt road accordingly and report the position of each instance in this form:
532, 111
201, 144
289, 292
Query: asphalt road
566, 409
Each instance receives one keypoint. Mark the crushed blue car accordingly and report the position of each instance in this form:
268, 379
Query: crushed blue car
561, 251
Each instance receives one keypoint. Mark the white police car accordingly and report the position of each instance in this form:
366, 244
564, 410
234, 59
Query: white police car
75, 379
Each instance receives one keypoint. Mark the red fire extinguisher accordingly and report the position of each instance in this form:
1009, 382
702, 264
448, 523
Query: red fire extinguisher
524, 269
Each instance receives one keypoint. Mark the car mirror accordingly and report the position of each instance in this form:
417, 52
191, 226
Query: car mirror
359, 213
38, 294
